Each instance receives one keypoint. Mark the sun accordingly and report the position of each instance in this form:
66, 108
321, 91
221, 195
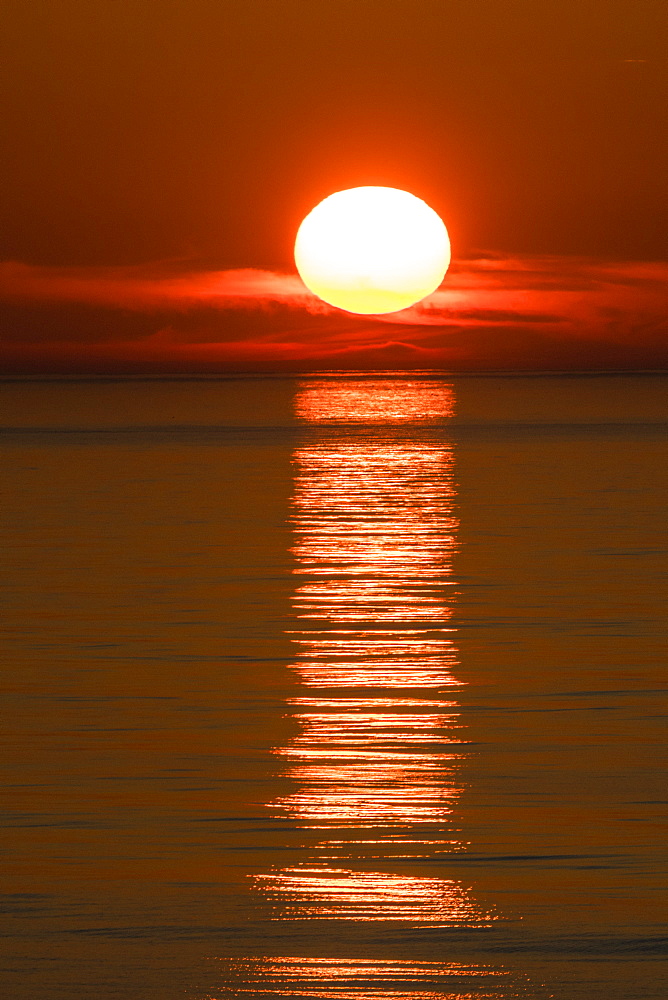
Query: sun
372, 250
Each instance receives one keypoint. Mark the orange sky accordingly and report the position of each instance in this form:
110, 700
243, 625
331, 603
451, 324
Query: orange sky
200, 133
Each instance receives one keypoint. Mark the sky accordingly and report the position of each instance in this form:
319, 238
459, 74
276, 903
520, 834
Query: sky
158, 159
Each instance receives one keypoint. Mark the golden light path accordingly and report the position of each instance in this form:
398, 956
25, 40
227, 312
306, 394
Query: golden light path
360, 979
372, 250
374, 763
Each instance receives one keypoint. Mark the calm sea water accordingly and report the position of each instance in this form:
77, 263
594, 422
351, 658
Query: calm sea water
342, 687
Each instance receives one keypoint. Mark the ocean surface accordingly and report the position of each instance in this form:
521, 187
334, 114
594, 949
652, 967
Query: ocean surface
344, 686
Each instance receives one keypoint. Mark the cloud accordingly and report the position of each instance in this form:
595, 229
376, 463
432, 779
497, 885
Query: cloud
149, 288
494, 311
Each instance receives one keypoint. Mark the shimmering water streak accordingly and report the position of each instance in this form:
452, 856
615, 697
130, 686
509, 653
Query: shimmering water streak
375, 760
323, 892
374, 532
359, 979
377, 658
374, 401
357, 762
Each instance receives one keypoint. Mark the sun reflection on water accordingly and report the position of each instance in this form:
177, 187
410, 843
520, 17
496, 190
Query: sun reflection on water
374, 401
324, 892
366, 979
375, 761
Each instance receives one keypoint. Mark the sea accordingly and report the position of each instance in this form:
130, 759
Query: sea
346, 686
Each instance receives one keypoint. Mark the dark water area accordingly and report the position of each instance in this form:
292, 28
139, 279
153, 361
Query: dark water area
345, 687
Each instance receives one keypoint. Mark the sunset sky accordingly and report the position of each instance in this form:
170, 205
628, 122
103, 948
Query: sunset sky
158, 159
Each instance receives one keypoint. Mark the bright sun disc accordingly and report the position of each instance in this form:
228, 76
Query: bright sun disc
372, 250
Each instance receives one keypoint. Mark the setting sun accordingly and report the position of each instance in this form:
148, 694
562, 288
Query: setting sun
372, 250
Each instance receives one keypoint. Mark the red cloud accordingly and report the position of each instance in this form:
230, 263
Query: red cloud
492, 312
149, 287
